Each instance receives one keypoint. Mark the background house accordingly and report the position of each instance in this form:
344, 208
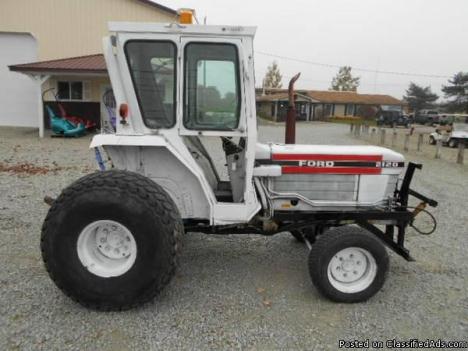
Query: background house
61, 42
320, 105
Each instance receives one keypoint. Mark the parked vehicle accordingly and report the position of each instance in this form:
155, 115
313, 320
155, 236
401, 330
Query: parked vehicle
111, 239
392, 119
452, 136
429, 117
446, 119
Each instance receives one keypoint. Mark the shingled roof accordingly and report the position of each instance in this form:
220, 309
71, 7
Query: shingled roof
334, 97
350, 97
299, 96
81, 64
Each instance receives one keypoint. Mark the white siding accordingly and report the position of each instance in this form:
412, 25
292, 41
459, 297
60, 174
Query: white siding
66, 28
18, 93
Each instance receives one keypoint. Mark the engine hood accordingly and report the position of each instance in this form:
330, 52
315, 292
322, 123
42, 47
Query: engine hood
348, 159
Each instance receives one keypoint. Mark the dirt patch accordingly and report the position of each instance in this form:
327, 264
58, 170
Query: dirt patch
27, 168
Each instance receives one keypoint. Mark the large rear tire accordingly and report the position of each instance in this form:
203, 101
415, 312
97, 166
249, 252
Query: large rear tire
348, 264
110, 239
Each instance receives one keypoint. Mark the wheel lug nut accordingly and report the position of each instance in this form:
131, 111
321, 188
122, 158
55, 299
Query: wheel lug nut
345, 275
341, 258
358, 262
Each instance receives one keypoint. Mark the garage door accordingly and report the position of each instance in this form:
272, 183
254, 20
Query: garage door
18, 93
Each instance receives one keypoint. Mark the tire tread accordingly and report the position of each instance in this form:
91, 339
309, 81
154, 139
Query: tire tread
133, 184
341, 235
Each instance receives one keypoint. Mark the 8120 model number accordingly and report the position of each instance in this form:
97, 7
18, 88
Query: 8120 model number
387, 164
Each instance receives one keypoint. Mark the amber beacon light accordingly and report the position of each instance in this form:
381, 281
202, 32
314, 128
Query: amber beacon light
186, 16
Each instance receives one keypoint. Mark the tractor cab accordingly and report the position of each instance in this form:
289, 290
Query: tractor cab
187, 92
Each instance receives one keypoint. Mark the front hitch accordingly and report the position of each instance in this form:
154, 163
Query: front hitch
404, 192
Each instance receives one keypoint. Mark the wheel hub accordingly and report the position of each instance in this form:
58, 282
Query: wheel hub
348, 266
106, 248
351, 269
112, 241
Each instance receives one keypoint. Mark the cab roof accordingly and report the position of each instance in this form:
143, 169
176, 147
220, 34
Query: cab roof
176, 28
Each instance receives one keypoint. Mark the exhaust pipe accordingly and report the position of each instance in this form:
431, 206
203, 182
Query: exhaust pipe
290, 135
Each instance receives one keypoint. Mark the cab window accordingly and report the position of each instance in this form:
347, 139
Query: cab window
212, 93
152, 67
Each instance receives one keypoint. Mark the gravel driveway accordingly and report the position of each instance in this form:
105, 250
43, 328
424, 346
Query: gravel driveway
398, 141
231, 292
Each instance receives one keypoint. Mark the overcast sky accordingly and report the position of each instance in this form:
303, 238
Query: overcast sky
426, 37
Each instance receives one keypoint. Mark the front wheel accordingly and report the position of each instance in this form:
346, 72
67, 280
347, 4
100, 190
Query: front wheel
348, 264
109, 241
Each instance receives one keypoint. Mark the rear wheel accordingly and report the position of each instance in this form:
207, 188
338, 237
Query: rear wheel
348, 264
109, 241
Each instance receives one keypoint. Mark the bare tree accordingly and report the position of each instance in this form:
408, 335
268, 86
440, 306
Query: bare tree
344, 80
273, 77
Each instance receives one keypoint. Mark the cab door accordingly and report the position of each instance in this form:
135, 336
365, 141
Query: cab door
214, 103
213, 95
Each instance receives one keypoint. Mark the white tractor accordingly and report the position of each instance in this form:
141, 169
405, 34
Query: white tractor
111, 238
